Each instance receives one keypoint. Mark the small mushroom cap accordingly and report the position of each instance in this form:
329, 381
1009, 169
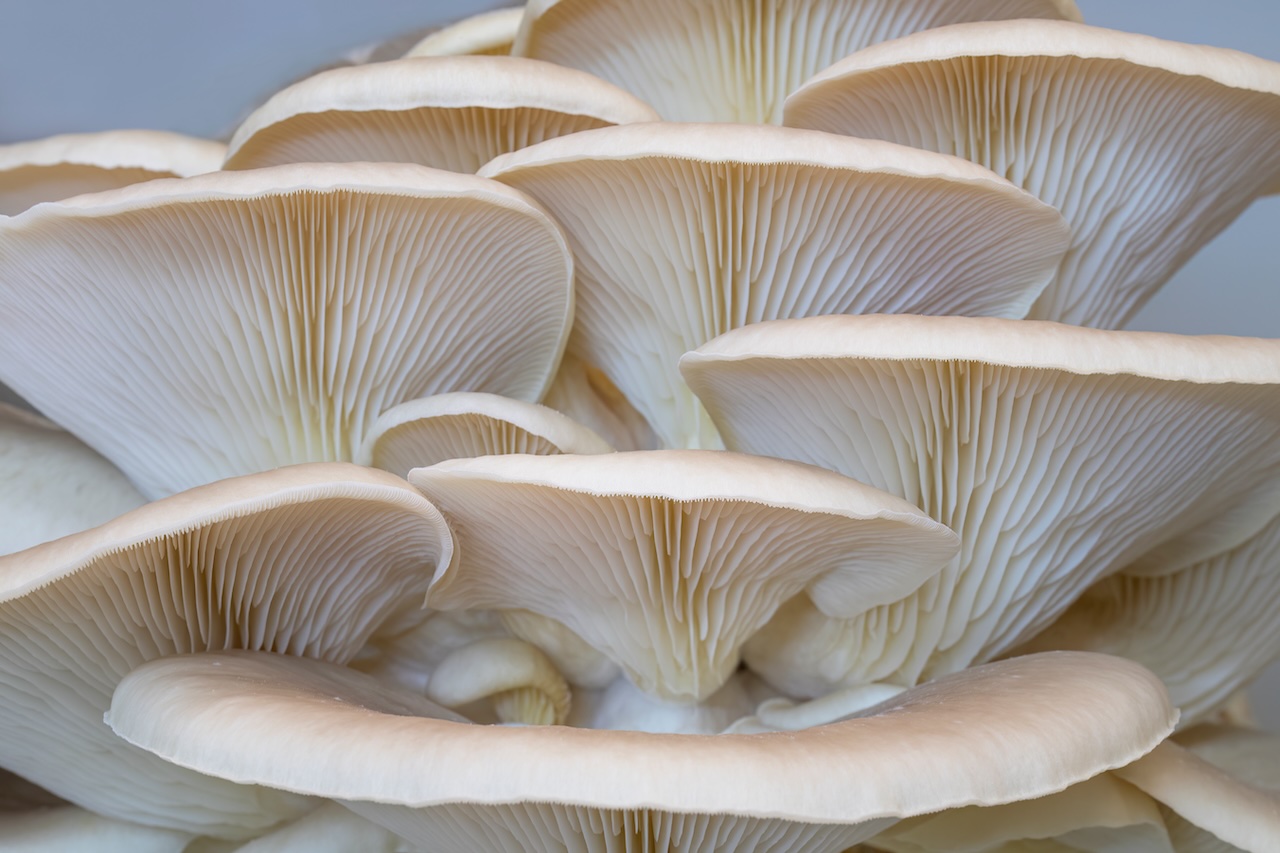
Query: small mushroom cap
974, 420
72, 164
271, 720
53, 485
486, 34
684, 232
310, 560
733, 61
666, 561
1148, 147
454, 113
502, 665
272, 315
463, 424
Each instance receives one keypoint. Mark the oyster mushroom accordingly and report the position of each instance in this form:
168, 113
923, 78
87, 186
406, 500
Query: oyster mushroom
59, 167
485, 34
273, 314
270, 720
667, 561
52, 484
454, 113
1149, 148
311, 560
683, 232
451, 426
725, 60
1059, 454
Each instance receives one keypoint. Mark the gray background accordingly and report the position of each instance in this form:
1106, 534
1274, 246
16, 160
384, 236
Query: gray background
79, 65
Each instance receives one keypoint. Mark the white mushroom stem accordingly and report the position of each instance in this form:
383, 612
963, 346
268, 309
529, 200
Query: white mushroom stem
523, 684
624, 707
580, 662
785, 715
331, 828
1102, 815
1233, 810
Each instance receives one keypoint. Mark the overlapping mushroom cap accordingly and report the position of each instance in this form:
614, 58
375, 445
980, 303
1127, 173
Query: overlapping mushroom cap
453, 113
1059, 454
485, 34
1206, 629
310, 728
667, 561
72, 164
725, 60
310, 560
1149, 148
462, 424
272, 315
51, 485
683, 232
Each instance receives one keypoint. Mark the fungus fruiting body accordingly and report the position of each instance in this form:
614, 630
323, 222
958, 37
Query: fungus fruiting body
962, 582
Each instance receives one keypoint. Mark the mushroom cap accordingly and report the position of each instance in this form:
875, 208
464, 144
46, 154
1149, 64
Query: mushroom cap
1058, 454
310, 560
486, 34
59, 167
454, 113
1148, 147
270, 720
53, 485
725, 60
681, 233
666, 561
240, 321
462, 424
1207, 630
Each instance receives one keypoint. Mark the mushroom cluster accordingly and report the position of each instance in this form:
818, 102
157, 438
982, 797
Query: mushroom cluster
697, 425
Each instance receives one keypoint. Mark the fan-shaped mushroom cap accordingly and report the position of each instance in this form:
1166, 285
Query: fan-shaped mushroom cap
1207, 630
681, 233
1149, 148
51, 485
272, 720
725, 60
451, 426
272, 315
486, 34
309, 560
63, 166
1059, 454
666, 561
454, 113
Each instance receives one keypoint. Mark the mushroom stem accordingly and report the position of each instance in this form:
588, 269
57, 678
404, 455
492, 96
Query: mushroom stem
522, 683
785, 715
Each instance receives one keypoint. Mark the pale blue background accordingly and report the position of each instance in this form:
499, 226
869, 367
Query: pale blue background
78, 65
